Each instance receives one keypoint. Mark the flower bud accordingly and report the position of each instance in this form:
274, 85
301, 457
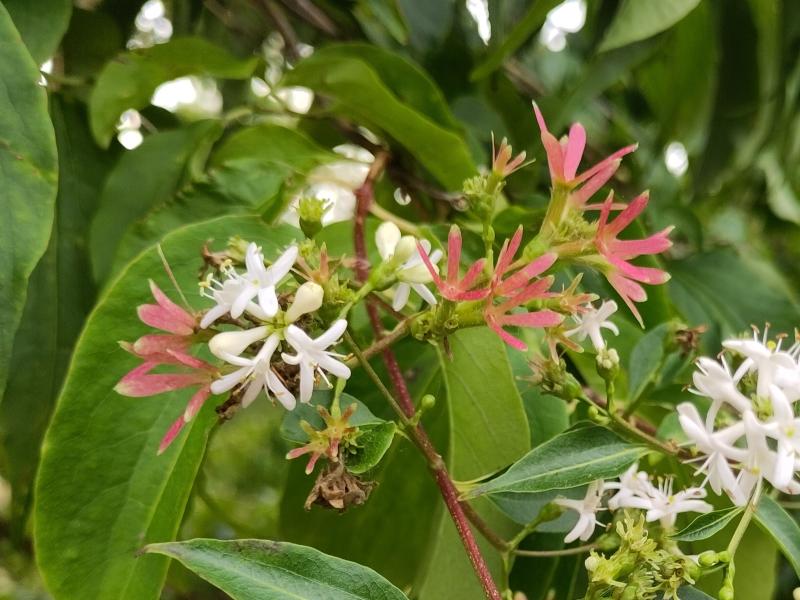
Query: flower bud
428, 402
310, 211
592, 562
386, 239
709, 558
726, 593
307, 299
608, 364
405, 249
233, 343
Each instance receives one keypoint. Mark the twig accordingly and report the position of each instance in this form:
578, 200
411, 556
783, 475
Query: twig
307, 11
379, 346
278, 17
563, 552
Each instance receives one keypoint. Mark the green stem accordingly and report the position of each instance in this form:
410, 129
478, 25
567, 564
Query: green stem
747, 516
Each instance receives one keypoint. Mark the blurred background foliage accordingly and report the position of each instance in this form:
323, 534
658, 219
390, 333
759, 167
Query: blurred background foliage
172, 112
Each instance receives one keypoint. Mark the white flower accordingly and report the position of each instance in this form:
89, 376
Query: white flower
592, 320
335, 182
761, 358
587, 510
232, 343
307, 299
784, 428
714, 380
312, 356
718, 448
637, 491
256, 372
632, 484
411, 272
665, 506
237, 293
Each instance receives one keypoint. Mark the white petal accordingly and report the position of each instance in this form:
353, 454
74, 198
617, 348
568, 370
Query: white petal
401, 293
229, 381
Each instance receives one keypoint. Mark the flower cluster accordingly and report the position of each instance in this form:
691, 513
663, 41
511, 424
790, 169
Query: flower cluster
636, 490
597, 244
750, 431
271, 350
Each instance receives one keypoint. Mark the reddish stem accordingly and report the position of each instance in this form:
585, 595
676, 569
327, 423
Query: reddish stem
446, 486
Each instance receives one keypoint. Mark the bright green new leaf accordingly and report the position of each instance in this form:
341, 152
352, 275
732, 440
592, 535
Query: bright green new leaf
29, 178
87, 535
577, 457
782, 527
706, 525
640, 19
41, 23
129, 80
361, 93
266, 570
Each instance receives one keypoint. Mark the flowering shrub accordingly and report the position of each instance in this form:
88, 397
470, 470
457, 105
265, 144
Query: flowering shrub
324, 334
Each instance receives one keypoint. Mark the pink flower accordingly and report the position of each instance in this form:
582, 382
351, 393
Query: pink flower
519, 289
498, 315
621, 274
141, 382
166, 316
502, 162
451, 287
169, 348
564, 157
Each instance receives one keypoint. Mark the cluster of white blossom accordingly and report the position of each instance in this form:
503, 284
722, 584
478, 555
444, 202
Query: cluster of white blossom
635, 489
254, 291
750, 426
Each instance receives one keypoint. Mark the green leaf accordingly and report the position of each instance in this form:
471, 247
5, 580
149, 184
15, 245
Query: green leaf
130, 80
376, 434
143, 178
266, 570
707, 525
640, 19
576, 457
28, 165
361, 93
488, 430
41, 24
87, 535
407, 80
249, 173
645, 360
782, 527
487, 419
732, 291
49, 328
527, 25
